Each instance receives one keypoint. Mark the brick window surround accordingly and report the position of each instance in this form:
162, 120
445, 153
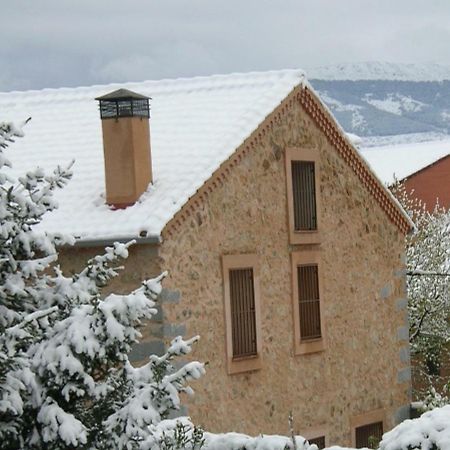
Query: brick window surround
242, 357
307, 203
302, 345
374, 417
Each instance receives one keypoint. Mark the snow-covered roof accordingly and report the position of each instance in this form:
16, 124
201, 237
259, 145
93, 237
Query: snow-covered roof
402, 160
195, 124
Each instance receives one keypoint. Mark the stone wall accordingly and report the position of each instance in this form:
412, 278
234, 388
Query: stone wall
365, 365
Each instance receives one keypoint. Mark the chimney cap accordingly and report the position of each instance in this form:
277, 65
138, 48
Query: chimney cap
123, 94
123, 103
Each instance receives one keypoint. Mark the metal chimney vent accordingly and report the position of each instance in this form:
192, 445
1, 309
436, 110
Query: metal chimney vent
124, 103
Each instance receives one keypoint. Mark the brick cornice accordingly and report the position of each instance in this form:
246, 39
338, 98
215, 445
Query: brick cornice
327, 124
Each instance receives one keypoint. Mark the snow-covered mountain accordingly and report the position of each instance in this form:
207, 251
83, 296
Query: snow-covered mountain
376, 70
384, 99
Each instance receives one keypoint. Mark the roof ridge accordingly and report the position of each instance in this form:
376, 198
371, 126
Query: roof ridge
197, 122
198, 78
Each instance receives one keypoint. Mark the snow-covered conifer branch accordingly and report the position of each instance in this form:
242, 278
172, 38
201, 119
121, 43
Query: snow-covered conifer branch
65, 378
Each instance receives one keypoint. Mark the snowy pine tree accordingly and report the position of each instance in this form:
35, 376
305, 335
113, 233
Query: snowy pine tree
65, 378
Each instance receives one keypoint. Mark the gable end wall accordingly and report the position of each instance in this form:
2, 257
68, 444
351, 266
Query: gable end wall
364, 366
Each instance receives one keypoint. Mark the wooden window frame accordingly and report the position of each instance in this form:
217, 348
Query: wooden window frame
306, 257
242, 261
374, 416
306, 155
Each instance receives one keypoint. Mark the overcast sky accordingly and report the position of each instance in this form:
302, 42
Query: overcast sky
54, 43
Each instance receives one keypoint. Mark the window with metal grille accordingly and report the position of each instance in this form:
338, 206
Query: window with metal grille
319, 441
309, 301
369, 435
304, 195
243, 314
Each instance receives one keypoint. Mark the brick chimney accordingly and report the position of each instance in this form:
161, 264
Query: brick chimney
126, 145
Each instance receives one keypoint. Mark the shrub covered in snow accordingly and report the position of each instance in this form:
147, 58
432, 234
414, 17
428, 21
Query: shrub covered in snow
65, 378
431, 431
237, 441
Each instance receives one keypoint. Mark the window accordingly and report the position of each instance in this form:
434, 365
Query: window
307, 302
242, 312
302, 175
304, 195
243, 317
369, 435
367, 429
316, 435
319, 441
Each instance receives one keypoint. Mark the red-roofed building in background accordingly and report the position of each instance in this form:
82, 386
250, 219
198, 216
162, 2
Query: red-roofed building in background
431, 184
423, 166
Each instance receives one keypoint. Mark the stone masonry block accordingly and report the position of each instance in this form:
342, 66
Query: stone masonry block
183, 411
173, 330
401, 304
169, 296
179, 363
404, 286
408, 393
405, 355
142, 350
404, 375
403, 334
406, 318
402, 413
159, 316
403, 258
155, 330
400, 273
385, 292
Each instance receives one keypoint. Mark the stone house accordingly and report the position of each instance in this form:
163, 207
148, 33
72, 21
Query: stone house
285, 252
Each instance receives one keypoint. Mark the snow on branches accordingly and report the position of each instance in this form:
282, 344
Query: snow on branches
65, 378
430, 431
428, 280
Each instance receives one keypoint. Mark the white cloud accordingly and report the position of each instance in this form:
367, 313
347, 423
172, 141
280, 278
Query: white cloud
57, 42
168, 60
